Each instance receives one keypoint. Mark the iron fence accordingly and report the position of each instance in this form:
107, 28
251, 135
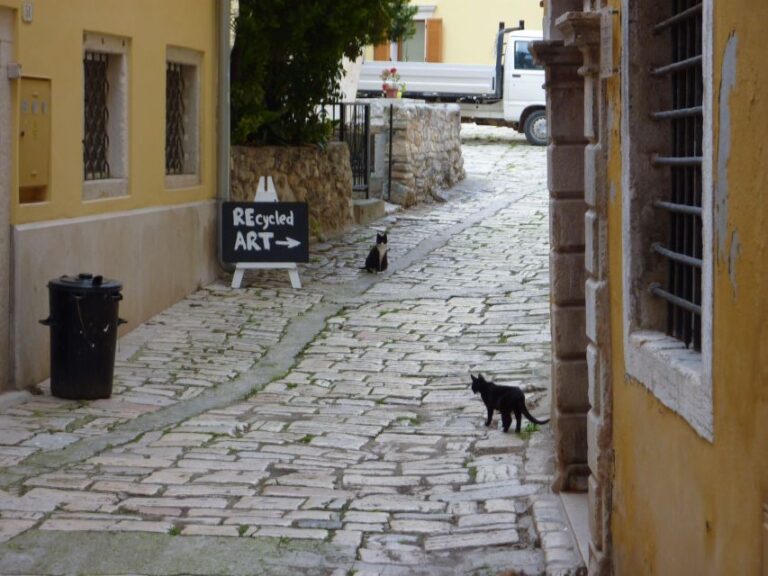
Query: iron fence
352, 124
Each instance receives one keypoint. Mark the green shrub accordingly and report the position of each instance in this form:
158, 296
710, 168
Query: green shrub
287, 60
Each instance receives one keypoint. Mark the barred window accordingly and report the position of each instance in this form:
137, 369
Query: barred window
683, 207
668, 203
174, 119
96, 116
182, 104
105, 116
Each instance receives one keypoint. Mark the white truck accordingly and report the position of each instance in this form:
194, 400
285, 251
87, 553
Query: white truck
510, 93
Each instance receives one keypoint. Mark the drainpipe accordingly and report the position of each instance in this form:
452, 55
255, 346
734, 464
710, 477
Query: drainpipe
223, 131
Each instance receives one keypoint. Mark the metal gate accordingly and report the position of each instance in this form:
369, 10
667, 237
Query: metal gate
352, 124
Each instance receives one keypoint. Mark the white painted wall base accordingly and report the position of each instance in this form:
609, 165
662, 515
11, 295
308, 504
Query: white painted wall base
159, 254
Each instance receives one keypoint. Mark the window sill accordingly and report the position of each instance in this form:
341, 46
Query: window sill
675, 375
174, 181
105, 189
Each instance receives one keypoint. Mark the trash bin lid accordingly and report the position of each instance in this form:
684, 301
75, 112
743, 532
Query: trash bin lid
85, 281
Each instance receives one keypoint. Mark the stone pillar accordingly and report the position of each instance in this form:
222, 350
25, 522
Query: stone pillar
582, 30
426, 148
6, 122
565, 109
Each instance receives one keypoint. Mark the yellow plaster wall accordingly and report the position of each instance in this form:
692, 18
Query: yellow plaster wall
470, 27
51, 47
680, 504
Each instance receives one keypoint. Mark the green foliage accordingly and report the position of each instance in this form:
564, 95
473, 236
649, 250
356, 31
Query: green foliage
528, 430
287, 57
401, 25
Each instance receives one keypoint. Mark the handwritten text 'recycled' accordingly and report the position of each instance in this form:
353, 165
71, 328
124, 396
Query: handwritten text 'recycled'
251, 218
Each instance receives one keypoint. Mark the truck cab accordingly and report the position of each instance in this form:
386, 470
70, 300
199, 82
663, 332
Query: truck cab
524, 95
521, 103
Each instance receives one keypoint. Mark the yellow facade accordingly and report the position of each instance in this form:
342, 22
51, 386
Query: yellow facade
156, 233
470, 28
683, 505
51, 47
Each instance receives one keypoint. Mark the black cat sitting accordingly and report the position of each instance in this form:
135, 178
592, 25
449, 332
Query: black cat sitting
377, 257
505, 399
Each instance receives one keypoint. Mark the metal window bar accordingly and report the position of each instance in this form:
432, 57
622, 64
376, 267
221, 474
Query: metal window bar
96, 116
691, 12
677, 160
681, 113
679, 208
352, 124
174, 118
679, 66
683, 208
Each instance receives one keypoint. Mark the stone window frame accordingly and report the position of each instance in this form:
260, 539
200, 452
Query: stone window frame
192, 63
679, 378
118, 47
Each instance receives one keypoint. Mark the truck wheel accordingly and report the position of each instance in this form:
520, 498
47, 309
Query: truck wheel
536, 128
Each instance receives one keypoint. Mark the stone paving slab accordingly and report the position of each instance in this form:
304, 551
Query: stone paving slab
561, 554
212, 337
367, 456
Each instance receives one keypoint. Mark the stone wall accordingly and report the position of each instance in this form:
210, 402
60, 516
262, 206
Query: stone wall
322, 177
426, 149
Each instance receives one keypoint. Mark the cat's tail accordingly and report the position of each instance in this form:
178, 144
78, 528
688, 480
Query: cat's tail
532, 418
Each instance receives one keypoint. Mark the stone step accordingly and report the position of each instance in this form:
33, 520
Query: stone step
367, 210
559, 538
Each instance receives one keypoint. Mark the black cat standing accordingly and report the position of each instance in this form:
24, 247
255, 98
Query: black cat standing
505, 399
377, 257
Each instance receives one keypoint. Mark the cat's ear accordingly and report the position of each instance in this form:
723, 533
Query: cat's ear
473, 377
384, 238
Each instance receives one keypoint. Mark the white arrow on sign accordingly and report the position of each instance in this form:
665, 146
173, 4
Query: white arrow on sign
290, 242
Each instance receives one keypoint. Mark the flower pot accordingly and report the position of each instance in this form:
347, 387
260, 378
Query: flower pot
391, 92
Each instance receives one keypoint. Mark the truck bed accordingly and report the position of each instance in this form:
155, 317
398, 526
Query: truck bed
433, 79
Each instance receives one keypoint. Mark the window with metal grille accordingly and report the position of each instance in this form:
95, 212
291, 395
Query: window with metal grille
683, 249
668, 204
174, 119
96, 116
182, 117
105, 116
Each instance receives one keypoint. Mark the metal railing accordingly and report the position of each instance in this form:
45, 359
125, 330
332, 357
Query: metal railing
352, 124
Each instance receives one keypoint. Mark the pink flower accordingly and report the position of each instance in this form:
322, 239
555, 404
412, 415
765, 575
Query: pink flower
393, 71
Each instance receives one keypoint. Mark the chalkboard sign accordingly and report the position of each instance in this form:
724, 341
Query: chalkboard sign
265, 232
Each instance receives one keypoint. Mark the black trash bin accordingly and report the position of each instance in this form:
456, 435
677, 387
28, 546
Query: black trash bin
83, 320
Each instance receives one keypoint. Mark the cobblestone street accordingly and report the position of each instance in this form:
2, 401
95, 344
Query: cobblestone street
329, 430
